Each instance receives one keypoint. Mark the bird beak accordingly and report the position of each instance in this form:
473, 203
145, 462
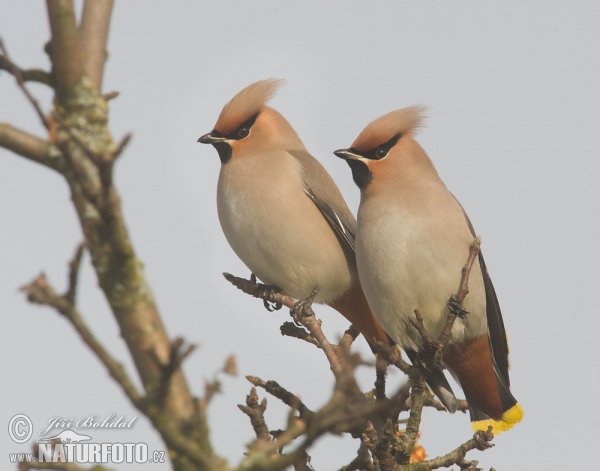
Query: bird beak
210, 139
347, 154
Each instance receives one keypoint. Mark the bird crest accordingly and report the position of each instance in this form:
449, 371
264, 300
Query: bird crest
246, 103
402, 121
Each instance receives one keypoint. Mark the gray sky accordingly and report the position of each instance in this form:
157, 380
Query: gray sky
512, 91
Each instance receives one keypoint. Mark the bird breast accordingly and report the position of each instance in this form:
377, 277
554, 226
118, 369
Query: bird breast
410, 253
276, 230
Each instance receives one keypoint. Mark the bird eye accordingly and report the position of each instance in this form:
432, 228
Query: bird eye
381, 153
243, 132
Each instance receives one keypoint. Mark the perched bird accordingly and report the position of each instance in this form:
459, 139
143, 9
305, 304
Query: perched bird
413, 238
282, 213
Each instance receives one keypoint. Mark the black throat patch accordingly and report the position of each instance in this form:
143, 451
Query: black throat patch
224, 150
360, 173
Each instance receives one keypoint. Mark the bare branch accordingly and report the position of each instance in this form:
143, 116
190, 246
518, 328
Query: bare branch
31, 147
21, 82
177, 354
273, 388
303, 313
480, 441
382, 448
302, 463
255, 411
350, 335
381, 366
110, 95
74, 274
40, 292
258, 290
66, 56
361, 462
431, 356
93, 37
290, 329
455, 301
28, 75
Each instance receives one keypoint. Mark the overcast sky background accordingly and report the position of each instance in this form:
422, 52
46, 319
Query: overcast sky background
513, 96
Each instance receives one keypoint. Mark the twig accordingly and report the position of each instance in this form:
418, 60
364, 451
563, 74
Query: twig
31, 147
290, 329
455, 301
433, 351
273, 388
381, 366
93, 36
106, 164
110, 95
382, 449
177, 354
303, 313
480, 441
14, 70
393, 356
361, 462
65, 55
259, 290
255, 411
74, 274
28, 75
302, 463
350, 335
40, 292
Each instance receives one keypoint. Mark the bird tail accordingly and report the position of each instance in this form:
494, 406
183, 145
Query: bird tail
490, 401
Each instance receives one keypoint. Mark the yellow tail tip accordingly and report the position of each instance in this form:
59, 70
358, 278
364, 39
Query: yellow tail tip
510, 418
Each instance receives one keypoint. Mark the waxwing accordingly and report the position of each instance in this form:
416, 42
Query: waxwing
281, 211
412, 240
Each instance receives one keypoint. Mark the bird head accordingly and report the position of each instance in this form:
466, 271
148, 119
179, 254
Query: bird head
384, 143
246, 124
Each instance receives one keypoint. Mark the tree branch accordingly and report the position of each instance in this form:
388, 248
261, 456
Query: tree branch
255, 411
66, 56
39, 291
28, 75
455, 301
480, 441
293, 401
31, 147
93, 37
21, 82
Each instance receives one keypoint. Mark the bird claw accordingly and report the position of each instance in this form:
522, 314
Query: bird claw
272, 305
455, 307
266, 292
301, 308
482, 439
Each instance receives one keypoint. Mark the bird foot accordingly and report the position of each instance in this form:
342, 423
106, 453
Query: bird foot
302, 308
482, 439
455, 307
267, 293
430, 355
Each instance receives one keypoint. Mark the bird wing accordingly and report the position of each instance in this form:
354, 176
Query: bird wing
496, 330
324, 193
